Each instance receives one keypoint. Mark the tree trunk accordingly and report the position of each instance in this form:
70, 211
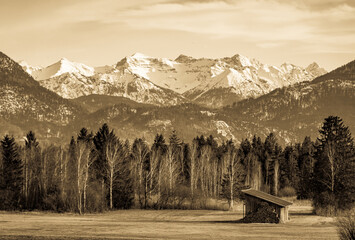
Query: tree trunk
276, 177
61, 174
85, 186
103, 192
111, 186
231, 206
26, 180
159, 187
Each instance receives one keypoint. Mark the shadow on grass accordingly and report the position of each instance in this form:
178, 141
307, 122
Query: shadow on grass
229, 221
302, 214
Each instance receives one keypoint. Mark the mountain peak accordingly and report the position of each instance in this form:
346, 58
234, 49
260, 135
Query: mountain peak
63, 66
27, 67
63, 59
315, 69
242, 60
313, 65
138, 55
184, 58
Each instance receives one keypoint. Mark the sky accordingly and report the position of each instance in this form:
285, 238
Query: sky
102, 32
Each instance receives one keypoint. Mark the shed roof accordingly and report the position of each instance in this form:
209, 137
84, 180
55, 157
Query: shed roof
267, 197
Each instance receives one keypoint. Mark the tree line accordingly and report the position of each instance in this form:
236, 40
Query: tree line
95, 172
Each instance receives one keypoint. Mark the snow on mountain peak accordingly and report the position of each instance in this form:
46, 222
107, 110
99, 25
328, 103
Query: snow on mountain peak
244, 61
61, 67
138, 55
199, 79
28, 68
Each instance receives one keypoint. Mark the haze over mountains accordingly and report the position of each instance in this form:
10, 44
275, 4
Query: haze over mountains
161, 81
140, 96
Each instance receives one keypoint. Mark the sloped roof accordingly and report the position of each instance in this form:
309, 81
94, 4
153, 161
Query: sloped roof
267, 197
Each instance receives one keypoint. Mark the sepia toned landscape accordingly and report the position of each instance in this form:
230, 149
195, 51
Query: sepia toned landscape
164, 224
166, 119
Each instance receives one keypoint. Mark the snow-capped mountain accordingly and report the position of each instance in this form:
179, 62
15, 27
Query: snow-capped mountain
61, 67
28, 68
237, 78
179, 76
72, 80
291, 112
161, 81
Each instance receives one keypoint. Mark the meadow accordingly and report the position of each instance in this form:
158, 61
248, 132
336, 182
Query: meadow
163, 224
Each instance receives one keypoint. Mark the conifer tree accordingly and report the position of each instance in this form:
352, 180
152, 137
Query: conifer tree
306, 166
123, 186
12, 174
33, 172
334, 185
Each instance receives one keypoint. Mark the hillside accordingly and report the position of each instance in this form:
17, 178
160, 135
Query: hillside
25, 105
291, 112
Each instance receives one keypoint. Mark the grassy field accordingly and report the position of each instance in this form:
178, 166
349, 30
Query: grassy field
164, 224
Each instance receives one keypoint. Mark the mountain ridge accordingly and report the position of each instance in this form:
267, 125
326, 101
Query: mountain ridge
188, 78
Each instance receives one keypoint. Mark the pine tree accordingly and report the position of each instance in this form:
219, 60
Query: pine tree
271, 164
33, 173
306, 166
289, 168
12, 174
84, 135
334, 185
100, 165
123, 193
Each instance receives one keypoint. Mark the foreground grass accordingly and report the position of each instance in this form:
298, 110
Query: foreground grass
164, 224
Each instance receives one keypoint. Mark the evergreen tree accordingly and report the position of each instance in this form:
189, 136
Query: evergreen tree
334, 185
306, 166
84, 135
33, 173
271, 164
12, 174
289, 168
100, 165
123, 192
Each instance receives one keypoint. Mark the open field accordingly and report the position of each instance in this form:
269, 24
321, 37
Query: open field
163, 224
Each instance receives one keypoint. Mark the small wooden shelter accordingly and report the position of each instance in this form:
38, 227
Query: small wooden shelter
253, 198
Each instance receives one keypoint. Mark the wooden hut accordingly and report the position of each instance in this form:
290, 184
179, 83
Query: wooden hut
253, 198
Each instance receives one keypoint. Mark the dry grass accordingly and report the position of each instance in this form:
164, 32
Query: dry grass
164, 224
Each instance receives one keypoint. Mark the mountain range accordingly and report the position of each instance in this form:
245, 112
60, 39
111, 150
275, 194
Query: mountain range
140, 96
164, 82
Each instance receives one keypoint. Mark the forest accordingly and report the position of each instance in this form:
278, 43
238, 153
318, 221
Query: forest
99, 171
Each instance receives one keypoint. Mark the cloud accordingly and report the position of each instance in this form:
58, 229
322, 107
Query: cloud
203, 27
268, 23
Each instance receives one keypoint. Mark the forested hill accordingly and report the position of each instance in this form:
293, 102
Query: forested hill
295, 111
12, 72
345, 72
290, 112
25, 105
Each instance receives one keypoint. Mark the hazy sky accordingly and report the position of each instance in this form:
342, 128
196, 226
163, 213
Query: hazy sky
104, 31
